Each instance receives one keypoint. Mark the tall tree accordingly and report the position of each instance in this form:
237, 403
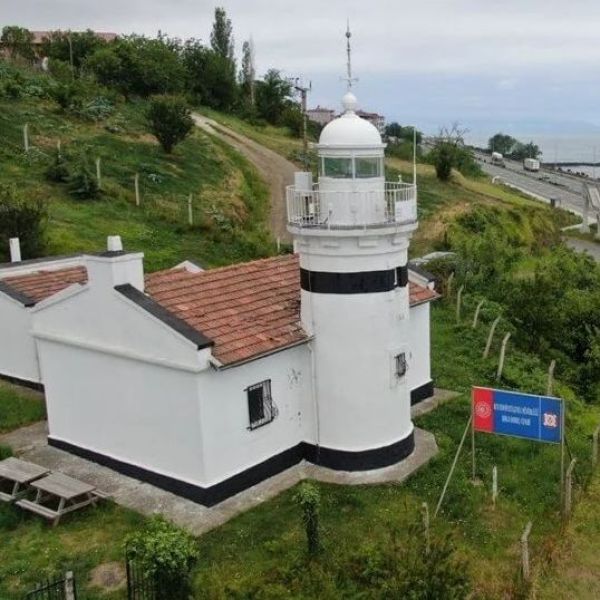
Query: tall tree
273, 97
18, 41
248, 73
73, 47
221, 37
501, 143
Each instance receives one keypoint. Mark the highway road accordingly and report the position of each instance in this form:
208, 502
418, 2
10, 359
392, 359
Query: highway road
567, 190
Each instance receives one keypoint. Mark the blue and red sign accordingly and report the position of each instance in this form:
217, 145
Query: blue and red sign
518, 415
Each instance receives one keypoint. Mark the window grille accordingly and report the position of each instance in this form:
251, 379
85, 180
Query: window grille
261, 409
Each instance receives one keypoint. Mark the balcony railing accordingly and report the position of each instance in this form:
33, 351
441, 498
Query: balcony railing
395, 204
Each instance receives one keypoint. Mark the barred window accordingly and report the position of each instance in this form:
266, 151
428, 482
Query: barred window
400, 364
261, 409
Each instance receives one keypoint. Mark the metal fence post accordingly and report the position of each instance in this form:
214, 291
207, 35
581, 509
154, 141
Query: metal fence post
70, 593
525, 552
136, 183
502, 355
488, 344
458, 303
476, 317
569, 489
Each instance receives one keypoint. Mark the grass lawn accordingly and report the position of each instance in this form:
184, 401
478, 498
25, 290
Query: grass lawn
576, 563
230, 201
19, 406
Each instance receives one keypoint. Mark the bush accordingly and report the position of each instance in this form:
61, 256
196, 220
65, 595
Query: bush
170, 120
413, 568
443, 160
24, 218
309, 500
66, 95
166, 554
58, 169
82, 180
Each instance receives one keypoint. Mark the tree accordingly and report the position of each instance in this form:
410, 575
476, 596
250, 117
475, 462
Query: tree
521, 151
248, 73
309, 501
209, 76
396, 130
82, 180
502, 143
18, 41
170, 120
72, 48
139, 66
273, 97
22, 217
221, 37
450, 152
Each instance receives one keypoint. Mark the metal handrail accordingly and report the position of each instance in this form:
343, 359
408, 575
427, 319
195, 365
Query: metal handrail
394, 204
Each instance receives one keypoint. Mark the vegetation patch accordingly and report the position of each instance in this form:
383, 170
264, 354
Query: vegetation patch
19, 407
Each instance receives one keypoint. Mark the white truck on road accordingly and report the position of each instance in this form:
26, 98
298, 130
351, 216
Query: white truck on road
531, 164
498, 159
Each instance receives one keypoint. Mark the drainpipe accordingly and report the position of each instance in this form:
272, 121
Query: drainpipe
313, 393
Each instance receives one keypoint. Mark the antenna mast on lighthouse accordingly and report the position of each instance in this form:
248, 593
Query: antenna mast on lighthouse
349, 79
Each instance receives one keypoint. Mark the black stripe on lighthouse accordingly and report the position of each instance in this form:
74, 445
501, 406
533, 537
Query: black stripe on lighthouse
361, 282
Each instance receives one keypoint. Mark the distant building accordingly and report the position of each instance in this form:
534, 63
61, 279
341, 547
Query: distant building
321, 115
373, 118
40, 36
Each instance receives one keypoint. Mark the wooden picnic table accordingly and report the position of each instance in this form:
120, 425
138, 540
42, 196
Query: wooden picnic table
18, 474
56, 488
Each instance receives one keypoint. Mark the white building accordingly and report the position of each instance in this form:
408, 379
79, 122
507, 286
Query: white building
321, 115
205, 383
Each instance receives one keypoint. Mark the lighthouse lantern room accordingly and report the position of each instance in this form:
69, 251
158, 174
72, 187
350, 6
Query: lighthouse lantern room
352, 231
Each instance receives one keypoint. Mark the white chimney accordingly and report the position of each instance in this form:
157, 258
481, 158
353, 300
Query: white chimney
114, 243
15, 250
115, 267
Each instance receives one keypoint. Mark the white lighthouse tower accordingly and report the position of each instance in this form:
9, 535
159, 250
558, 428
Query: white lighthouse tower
352, 230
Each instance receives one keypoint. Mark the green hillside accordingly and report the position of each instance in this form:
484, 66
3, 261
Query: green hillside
230, 202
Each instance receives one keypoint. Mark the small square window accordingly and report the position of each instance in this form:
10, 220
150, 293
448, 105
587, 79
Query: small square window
400, 364
261, 409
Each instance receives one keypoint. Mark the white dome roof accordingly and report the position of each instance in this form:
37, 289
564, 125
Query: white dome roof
350, 129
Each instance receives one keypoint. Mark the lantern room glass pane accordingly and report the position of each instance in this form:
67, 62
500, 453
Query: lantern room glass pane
339, 168
368, 167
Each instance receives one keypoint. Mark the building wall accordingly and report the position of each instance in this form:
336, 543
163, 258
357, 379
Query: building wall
18, 355
120, 383
229, 447
419, 364
125, 409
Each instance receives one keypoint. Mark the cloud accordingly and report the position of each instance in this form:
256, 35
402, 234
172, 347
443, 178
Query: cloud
467, 51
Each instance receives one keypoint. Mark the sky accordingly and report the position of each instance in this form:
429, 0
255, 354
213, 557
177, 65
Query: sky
524, 67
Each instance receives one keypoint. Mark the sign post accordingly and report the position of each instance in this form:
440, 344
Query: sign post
514, 414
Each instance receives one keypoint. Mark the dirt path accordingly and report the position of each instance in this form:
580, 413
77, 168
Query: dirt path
275, 170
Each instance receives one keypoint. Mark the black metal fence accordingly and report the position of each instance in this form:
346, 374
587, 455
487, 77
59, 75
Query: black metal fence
140, 585
63, 588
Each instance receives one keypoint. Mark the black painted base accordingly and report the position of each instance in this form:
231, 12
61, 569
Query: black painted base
326, 457
33, 385
421, 393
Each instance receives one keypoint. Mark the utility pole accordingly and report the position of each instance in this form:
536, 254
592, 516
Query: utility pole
71, 55
303, 91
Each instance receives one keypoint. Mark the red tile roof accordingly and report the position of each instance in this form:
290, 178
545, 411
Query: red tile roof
247, 309
42, 284
418, 294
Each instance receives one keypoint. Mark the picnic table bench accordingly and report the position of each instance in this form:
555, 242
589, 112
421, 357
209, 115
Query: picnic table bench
61, 491
15, 476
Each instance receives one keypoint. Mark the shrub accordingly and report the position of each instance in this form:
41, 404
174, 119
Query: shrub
166, 554
58, 169
82, 180
443, 160
24, 218
170, 120
66, 95
309, 500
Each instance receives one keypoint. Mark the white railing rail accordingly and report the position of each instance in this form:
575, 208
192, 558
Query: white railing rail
395, 204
